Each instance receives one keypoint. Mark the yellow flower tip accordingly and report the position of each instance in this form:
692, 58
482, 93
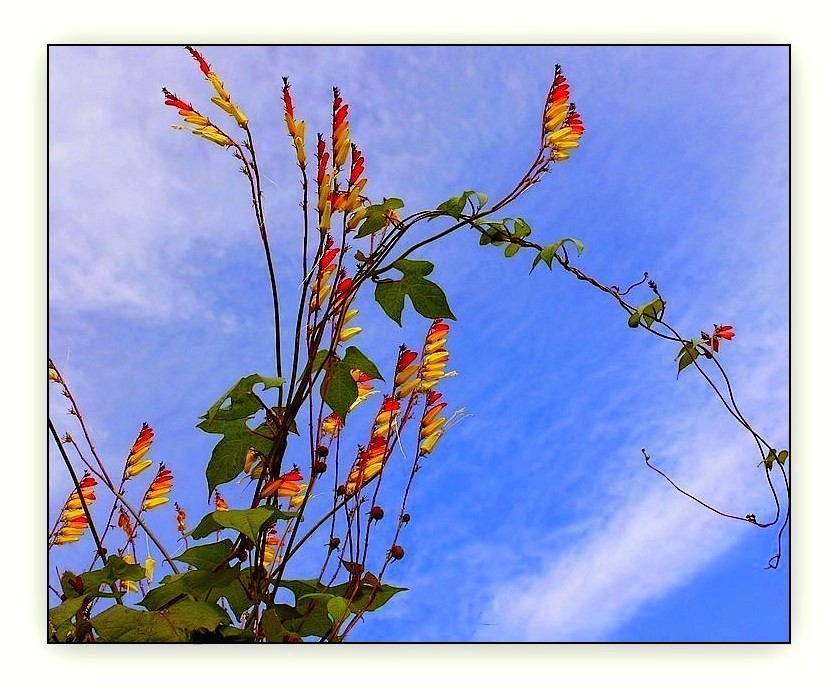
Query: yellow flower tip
348, 333
53, 376
428, 444
135, 469
154, 502
218, 85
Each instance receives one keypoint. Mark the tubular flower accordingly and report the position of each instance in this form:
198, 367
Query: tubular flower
385, 420
297, 500
220, 504
368, 465
124, 584
342, 290
332, 425
340, 130
73, 518
324, 186
430, 430
272, 547
52, 372
149, 568
223, 99
296, 128
356, 183
180, 518
201, 124
285, 485
347, 334
720, 332
253, 464
124, 523
137, 462
435, 356
161, 485
406, 373
365, 388
326, 267
562, 126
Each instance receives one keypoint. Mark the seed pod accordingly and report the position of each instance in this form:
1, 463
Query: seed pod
334, 543
321, 451
396, 552
319, 467
406, 518
376, 513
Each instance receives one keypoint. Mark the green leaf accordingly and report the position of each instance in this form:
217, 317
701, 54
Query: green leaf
120, 624
576, 242
243, 403
634, 319
355, 359
206, 556
195, 583
337, 608
249, 521
65, 611
370, 598
318, 361
453, 206
511, 250
230, 421
339, 390
115, 568
427, 297
373, 222
392, 204
522, 229
688, 354
193, 615
390, 296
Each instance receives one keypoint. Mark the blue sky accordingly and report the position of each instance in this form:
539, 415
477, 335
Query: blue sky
535, 519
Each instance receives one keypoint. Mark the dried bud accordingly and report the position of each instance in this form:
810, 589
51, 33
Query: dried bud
396, 552
319, 467
406, 518
377, 513
334, 543
341, 490
321, 451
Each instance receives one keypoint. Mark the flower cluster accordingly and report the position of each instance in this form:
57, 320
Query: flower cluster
137, 462
435, 356
368, 464
286, 485
562, 125
201, 125
407, 379
296, 128
161, 485
431, 429
223, 100
73, 518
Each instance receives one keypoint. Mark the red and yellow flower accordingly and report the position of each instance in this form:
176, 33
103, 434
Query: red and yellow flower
407, 379
73, 518
365, 387
326, 267
180, 519
431, 427
332, 425
272, 546
369, 463
296, 128
286, 485
161, 485
220, 503
721, 332
125, 584
562, 126
386, 419
435, 356
324, 186
201, 125
223, 100
340, 130
124, 523
137, 462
